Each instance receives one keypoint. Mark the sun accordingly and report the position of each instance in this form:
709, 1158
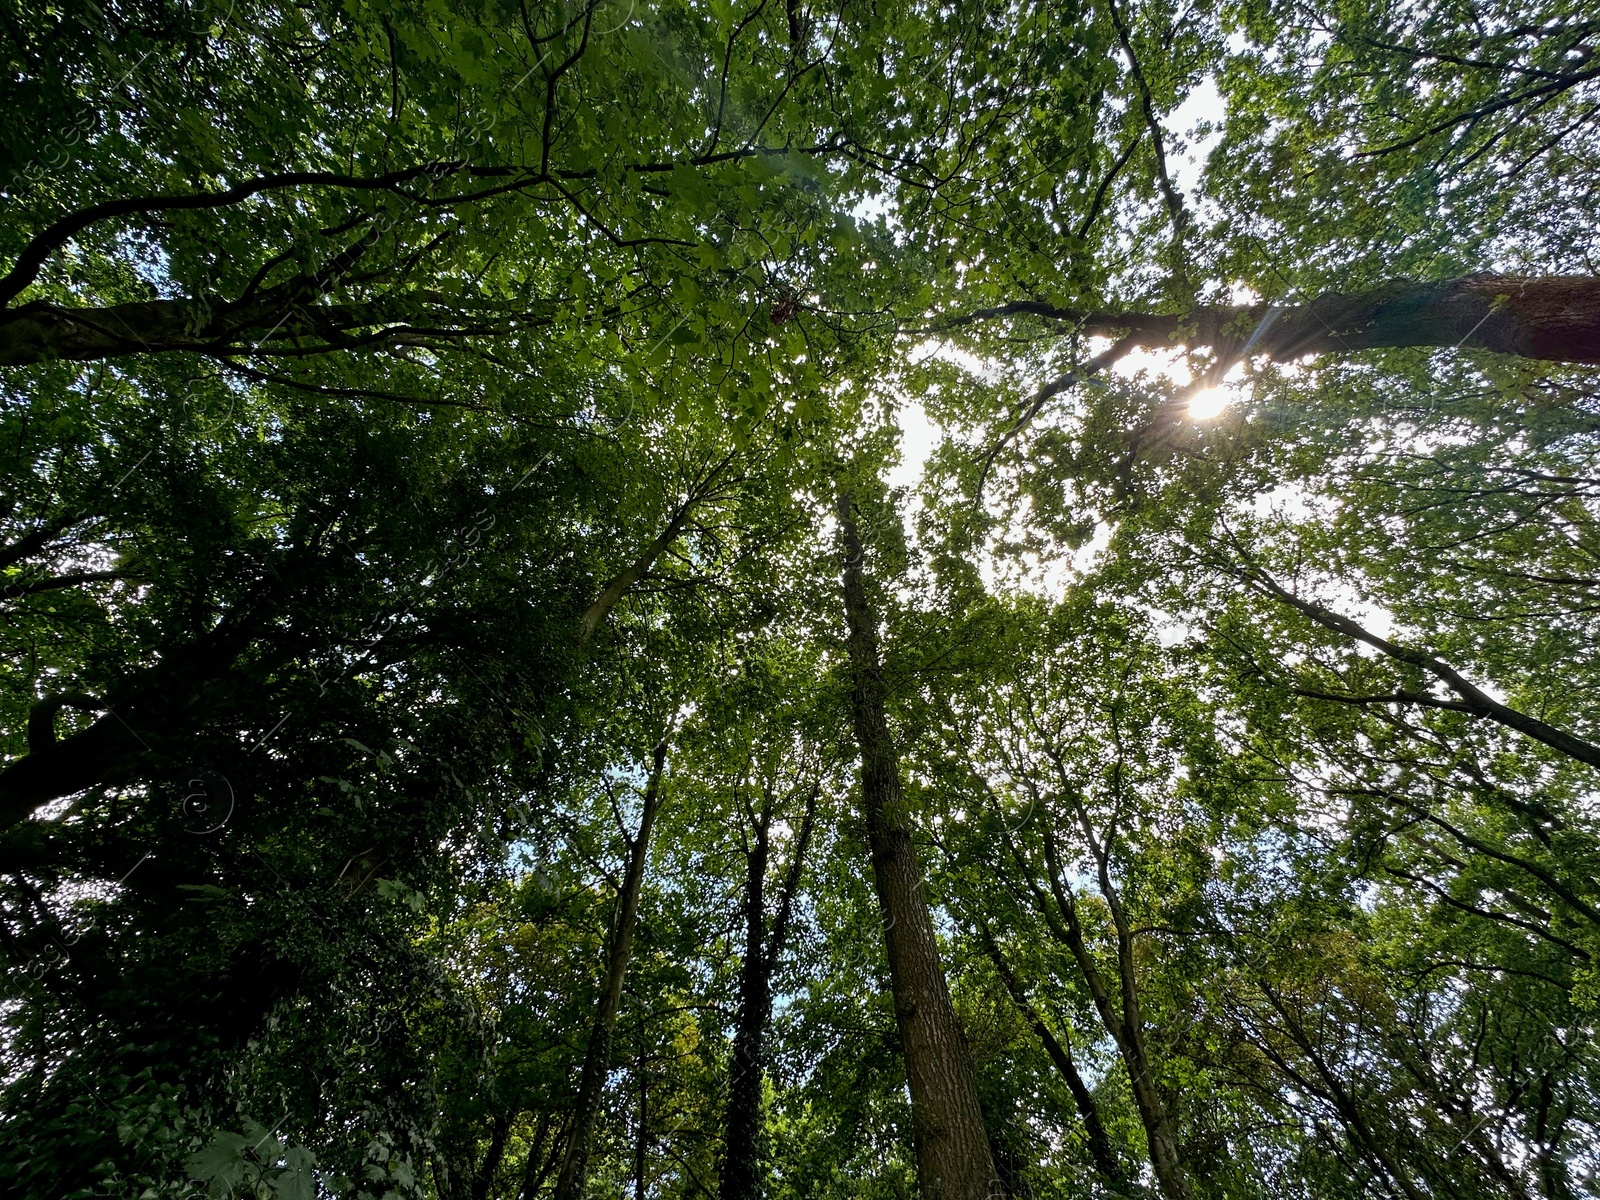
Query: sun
1207, 403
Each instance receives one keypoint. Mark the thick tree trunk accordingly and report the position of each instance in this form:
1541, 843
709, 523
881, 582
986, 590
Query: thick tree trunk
597, 1057
50, 770
156, 706
953, 1157
1555, 318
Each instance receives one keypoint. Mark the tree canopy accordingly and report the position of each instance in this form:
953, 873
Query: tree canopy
723, 598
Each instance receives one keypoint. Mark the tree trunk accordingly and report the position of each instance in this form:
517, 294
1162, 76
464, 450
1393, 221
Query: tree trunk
953, 1156
597, 1057
98, 754
641, 1144
742, 1153
1125, 1027
41, 332
159, 704
637, 570
741, 1176
540, 1161
1555, 318
499, 1128
1101, 1151
1473, 699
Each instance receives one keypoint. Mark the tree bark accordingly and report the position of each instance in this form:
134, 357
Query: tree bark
597, 1056
701, 491
540, 1161
637, 570
741, 1165
217, 327
1333, 1089
954, 1161
1555, 318
499, 1129
641, 1144
160, 702
101, 753
741, 1174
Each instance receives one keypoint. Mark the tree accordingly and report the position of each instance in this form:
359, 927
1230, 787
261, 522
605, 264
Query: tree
597, 1055
410, 413
953, 1158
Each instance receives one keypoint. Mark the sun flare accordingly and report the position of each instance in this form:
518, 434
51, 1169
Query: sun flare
1207, 403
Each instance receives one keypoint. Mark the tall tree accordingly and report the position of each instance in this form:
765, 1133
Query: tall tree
619, 949
953, 1156
393, 399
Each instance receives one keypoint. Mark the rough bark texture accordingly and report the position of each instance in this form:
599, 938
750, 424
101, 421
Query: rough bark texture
1555, 318
953, 1157
597, 1057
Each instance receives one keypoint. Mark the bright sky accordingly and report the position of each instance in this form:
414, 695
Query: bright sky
919, 436
1188, 150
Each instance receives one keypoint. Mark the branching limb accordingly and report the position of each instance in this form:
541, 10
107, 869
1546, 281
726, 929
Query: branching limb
1473, 698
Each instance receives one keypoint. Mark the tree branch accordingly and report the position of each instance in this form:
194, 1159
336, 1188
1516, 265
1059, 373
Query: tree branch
1475, 701
1554, 318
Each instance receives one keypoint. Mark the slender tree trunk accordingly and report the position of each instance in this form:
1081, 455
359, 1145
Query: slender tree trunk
953, 1156
597, 1058
699, 492
484, 1180
742, 1155
1332, 1088
541, 1161
641, 1144
741, 1174
1126, 1028
637, 570
1101, 1151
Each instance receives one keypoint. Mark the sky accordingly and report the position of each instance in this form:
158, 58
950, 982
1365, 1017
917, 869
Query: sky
919, 436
